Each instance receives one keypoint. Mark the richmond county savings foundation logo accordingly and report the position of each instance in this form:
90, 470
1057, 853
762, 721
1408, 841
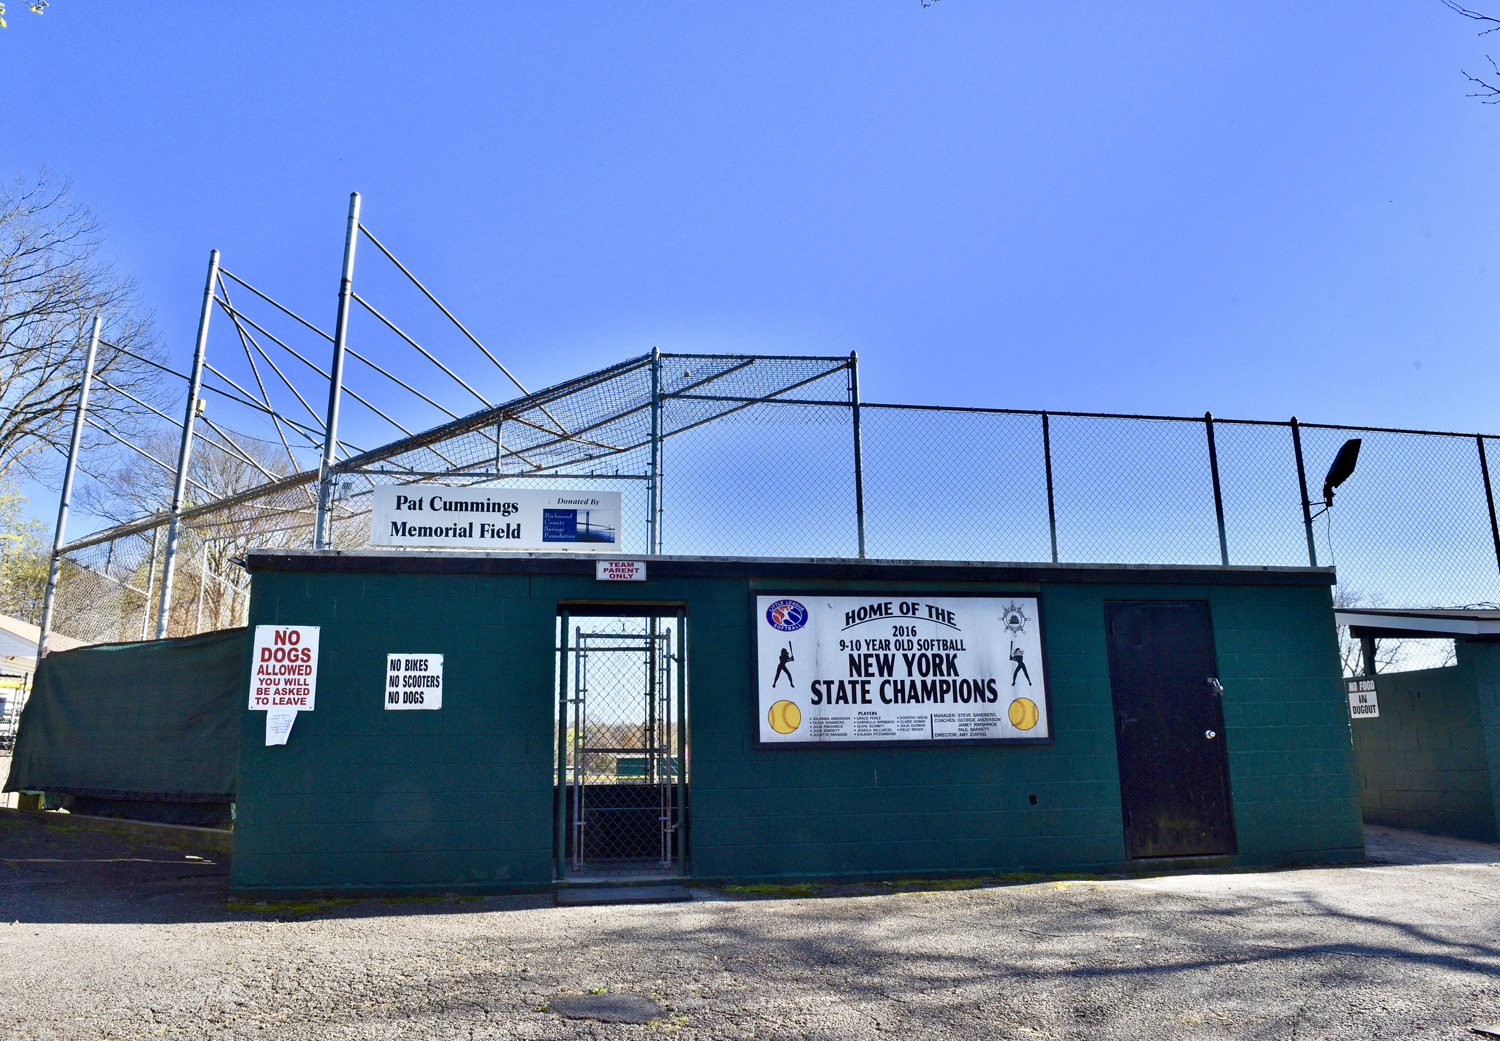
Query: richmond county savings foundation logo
786, 615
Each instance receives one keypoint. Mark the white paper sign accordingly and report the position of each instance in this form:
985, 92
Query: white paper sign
620, 570
284, 667
413, 681
494, 518
279, 725
1362, 701
879, 668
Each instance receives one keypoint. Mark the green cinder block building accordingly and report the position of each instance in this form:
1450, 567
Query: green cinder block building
1427, 747
768, 719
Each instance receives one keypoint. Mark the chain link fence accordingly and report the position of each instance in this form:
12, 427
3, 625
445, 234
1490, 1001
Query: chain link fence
620, 767
767, 456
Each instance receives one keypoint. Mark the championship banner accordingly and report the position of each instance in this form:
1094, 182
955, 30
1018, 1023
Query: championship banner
913, 668
494, 518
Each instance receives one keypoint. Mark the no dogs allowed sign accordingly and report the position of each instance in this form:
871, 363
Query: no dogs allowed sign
283, 676
907, 668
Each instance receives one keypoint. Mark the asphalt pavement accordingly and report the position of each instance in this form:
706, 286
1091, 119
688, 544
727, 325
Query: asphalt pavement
105, 937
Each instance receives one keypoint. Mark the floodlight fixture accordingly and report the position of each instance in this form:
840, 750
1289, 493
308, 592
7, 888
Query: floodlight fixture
1343, 466
1338, 472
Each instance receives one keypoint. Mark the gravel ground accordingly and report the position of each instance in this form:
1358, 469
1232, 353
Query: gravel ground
101, 937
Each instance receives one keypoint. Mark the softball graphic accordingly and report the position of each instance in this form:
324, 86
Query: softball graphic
785, 717
1023, 714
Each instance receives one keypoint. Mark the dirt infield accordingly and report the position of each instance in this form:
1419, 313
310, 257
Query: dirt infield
105, 937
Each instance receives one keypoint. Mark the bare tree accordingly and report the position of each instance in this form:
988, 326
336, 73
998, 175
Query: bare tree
52, 283
1392, 654
220, 466
1489, 89
1388, 653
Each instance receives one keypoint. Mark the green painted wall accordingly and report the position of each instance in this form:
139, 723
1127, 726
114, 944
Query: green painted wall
1484, 659
365, 798
361, 797
1422, 761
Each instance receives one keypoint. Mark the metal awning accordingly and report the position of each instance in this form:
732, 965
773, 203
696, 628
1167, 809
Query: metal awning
1437, 623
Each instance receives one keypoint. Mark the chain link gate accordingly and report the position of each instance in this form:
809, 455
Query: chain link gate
621, 762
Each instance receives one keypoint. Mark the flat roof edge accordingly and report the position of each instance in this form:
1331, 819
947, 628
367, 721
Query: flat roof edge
1417, 623
462, 562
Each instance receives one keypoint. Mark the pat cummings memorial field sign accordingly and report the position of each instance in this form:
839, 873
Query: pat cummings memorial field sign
908, 668
433, 516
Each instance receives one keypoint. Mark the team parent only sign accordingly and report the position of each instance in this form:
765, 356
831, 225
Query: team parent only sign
922, 669
494, 518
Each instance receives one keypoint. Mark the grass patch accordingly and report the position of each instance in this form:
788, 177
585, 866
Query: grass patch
288, 907
832, 888
300, 908
775, 889
940, 885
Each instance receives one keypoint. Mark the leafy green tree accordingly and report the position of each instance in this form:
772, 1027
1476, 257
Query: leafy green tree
37, 7
25, 555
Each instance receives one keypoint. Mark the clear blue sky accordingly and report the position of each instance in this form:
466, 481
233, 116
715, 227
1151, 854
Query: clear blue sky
1258, 209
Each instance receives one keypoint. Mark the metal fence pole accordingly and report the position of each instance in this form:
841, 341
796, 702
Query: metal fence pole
682, 743
560, 803
653, 489
1213, 466
1312, 552
50, 598
322, 525
859, 468
580, 721
1489, 496
202, 582
1051, 507
185, 453
150, 581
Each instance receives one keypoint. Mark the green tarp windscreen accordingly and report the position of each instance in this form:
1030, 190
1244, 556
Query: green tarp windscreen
155, 721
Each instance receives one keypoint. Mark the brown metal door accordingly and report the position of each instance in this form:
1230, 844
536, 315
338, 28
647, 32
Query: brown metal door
1169, 728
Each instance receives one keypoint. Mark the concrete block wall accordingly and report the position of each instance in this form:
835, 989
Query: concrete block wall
1291, 764
774, 812
1423, 762
364, 799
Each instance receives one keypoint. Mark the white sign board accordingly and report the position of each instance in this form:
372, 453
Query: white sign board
284, 667
283, 676
494, 518
413, 681
1362, 700
620, 570
912, 668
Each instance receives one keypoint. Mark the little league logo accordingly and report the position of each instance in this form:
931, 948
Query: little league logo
1014, 618
786, 615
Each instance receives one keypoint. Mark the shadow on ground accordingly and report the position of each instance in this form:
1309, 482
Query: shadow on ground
53, 871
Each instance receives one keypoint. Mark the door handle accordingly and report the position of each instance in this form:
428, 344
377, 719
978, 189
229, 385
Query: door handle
1210, 734
1215, 686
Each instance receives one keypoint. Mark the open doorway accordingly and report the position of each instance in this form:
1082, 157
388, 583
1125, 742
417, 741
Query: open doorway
621, 788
